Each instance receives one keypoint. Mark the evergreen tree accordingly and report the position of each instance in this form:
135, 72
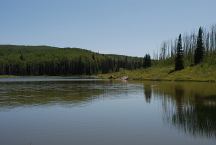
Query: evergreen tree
21, 57
179, 63
199, 52
147, 61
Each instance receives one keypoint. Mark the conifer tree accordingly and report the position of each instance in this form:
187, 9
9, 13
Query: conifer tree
199, 52
147, 61
179, 63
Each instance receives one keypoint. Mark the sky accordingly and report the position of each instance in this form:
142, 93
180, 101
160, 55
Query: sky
128, 27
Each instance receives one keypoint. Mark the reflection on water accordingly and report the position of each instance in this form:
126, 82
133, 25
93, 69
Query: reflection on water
63, 111
148, 92
190, 107
27, 93
41, 93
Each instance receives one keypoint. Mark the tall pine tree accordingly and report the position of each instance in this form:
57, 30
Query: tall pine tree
179, 63
147, 61
199, 52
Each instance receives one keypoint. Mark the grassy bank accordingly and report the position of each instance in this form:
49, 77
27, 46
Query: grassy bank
6, 76
203, 72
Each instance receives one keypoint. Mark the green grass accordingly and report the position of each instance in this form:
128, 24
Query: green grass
202, 72
6, 76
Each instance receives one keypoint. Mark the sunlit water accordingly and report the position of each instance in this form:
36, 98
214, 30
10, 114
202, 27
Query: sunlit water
66, 111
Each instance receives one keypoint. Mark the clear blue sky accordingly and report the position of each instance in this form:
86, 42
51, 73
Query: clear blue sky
131, 27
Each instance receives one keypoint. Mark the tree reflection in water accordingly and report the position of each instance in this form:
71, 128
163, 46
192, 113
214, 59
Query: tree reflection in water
64, 93
147, 93
190, 107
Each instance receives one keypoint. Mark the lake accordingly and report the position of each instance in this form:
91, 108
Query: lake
87, 111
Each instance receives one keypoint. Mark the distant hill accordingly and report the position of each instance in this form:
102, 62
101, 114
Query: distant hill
46, 60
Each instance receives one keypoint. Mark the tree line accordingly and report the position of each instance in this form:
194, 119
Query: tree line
189, 49
44, 60
168, 48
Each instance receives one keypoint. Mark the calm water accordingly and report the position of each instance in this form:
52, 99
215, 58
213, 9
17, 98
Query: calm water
66, 111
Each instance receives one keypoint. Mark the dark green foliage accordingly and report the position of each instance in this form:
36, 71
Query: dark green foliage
198, 47
21, 57
199, 52
44, 60
147, 61
179, 63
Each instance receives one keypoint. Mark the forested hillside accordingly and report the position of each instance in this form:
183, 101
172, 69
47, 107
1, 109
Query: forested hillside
45, 60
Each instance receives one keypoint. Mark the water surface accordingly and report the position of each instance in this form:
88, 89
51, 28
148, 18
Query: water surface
65, 111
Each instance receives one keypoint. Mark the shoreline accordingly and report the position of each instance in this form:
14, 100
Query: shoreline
119, 78
142, 75
161, 80
199, 73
